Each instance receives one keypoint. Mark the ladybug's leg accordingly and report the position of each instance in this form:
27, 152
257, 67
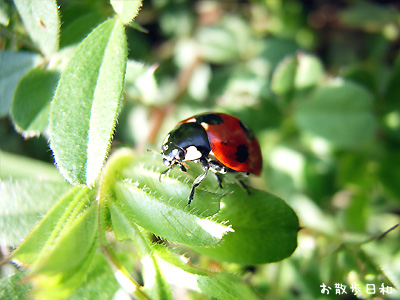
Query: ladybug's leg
244, 186
200, 178
218, 169
219, 178
239, 177
165, 172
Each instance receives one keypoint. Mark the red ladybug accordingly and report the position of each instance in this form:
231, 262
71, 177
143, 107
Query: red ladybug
219, 142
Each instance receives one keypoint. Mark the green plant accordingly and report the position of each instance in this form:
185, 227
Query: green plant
329, 139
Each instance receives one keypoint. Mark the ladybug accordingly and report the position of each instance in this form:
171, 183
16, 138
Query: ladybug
219, 142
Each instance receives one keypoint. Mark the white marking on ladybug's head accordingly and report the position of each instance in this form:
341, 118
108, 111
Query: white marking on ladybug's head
175, 152
191, 120
205, 125
192, 153
166, 139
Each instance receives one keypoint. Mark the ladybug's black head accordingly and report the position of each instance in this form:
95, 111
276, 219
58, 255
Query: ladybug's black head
186, 142
172, 154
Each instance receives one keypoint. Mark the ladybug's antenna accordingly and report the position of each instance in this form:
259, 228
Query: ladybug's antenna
154, 151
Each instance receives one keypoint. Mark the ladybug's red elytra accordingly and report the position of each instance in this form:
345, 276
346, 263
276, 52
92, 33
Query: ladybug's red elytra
219, 142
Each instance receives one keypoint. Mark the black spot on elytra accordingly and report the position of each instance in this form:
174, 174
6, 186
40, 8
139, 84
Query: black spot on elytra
248, 132
242, 153
211, 119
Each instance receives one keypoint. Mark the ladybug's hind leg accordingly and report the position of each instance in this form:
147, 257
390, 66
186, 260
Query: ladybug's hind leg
219, 178
244, 186
239, 177
200, 178
217, 168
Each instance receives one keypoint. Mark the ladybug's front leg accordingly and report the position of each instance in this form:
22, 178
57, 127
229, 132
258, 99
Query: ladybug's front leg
200, 178
165, 172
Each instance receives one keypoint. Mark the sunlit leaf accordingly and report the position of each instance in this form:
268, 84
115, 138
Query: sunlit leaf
84, 109
41, 22
125, 228
284, 75
213, 284
141, 83
157, 214
300, 72
309, 71
127, 10
66, 265
48, 230
99, 283
265, 229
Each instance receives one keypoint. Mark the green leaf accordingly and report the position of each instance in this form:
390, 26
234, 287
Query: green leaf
218, 45
300, 72
47, 231
141, 83
213, 284
66, 265
127, 10
180, 261
22, 204
309, 71
13, 65
84, 109
340, 112
284, 75
224, 286
18, 167
155, 283
41, 22
11, 288
160, 214
274, 50
125, 228
160, 207
100, 282
265, 229
173, 190
31, 104
228, 42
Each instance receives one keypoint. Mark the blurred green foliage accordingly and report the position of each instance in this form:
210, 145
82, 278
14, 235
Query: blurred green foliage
318, 82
